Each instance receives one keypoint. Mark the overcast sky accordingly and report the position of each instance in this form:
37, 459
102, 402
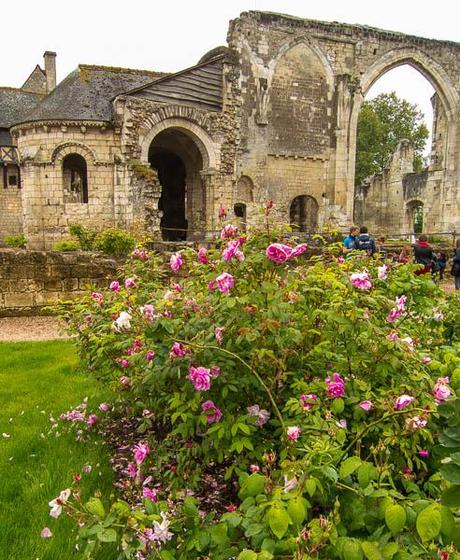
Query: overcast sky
170, 35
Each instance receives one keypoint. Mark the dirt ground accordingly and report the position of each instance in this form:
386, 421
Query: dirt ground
31, 328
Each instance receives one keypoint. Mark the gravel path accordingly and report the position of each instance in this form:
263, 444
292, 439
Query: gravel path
31, 328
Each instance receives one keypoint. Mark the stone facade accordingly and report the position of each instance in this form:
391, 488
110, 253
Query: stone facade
30, 280
271, 116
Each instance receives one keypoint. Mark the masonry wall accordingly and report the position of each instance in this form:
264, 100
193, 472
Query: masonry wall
30, 280
42, 149
10, 212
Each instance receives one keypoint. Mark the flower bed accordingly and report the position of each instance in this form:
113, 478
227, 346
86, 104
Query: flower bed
271, 406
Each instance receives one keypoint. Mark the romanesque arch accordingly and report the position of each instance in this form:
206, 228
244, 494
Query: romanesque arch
63, 150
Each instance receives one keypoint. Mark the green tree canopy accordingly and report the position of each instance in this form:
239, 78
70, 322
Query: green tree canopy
382, 123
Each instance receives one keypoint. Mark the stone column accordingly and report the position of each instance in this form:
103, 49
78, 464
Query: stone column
209, 216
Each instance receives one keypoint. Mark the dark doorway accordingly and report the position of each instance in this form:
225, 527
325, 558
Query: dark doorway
303, 214
75, 176
171, 174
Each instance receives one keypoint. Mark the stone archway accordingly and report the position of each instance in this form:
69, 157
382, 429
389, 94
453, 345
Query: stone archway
179, 163
303, 214
415, 216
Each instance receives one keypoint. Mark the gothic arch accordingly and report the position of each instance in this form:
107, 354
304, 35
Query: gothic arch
313, 47
201, 138
63, 150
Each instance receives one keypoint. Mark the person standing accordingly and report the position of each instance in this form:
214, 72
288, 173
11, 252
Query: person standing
364, 242
349, 243
456, 265
423, 254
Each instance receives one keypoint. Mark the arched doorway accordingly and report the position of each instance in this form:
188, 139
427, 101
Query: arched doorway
303, 214
239, 209
415, 216
178, 161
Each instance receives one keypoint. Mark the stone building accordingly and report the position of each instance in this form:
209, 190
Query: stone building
271, 115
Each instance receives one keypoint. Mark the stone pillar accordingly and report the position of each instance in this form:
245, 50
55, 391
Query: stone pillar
50, 70
208, 179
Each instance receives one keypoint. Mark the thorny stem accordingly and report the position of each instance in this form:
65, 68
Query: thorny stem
252, 370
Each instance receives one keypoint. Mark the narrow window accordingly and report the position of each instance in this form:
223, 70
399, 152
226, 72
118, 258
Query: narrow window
75, 177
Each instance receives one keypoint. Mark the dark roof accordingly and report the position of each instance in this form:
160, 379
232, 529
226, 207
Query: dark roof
14, 104
86, 94
198, 86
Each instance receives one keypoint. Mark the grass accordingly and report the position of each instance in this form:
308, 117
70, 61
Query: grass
38, 379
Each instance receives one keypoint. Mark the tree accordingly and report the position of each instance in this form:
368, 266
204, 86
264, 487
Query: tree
382, 123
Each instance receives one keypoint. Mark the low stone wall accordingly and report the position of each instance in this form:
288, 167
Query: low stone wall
31, 280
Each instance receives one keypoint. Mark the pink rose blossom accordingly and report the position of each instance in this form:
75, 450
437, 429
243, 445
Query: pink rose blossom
382, 272
46, 533
150, 494
423, 453
219, 334
393, 336
441, 391
366, 405
361, 280
214, 372
97, 297
212, 285
426, 360
335, 386
279, 253
213, 413
57, 503
340, 260
403, 402
92, 419
232, 250
123, 362
342, 424
131, 470
293, 432
200, 377
254, 468
150, 355
177, 288
229, 231
308, 400
416, 423
177, 351
148, 312
225, 282
141, 451
105, 406
261, 414
398, 310
203, 255
125, 381
140, 254
130, 283
175, 262
298, 250
115, 286
222, 213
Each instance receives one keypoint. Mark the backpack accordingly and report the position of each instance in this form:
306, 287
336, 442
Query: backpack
365, 243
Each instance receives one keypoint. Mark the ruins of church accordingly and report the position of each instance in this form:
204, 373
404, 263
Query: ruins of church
273, 115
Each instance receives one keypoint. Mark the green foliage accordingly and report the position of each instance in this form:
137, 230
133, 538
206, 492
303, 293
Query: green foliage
66, 245
382, 123
84, 235
116, 242
18, 241
352, 483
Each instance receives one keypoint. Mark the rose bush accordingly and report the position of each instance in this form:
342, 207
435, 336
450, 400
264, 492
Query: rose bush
277, 406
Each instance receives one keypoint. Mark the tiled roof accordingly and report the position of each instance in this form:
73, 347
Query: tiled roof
14, 104
87, 93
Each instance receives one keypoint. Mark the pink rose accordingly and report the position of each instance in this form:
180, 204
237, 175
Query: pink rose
308, 400
175, 262
225, 282
115, 286
46, 533
232, 250
393, 335
298, 250
92, 419
203, 255
426, 360
228, 231
105, 406
219, 334
130, 283
150, 355
423, 453
200, 377
254, 468
293, 432
150, 494
441, 391
382, 272
141, 451
261, 414
214, 372
98, 297
177, 351
213, 413
403, 402
366, 405
416, 423
335, 386
279, 253
361, 280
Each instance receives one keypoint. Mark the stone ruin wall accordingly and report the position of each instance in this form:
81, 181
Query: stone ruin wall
31, 280
11, 218
42, 147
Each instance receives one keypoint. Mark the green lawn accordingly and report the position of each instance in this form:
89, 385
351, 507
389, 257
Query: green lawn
38, 379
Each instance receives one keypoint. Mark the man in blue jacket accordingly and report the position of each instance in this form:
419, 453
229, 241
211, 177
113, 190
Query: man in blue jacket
349, 243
